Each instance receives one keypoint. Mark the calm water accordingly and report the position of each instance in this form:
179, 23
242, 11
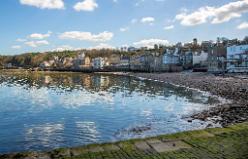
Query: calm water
51, 110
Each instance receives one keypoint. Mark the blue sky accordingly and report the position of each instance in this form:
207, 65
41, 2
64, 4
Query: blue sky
42, 25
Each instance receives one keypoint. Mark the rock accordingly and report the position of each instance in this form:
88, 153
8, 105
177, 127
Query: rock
190, 120
209, 125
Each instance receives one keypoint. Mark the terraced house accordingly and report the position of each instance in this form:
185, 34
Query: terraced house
237, 58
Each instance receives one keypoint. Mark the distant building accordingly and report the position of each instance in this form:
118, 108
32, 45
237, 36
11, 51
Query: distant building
8, 65
200, 59
156, 47
78, 62
125, 61
47, 64
232, 42
171, 60
137, 63
131, 49
195, 41
171, 57
124, 49
186, 59
206, 46
69, 63
87, 61
237, 58
179, 44
114, 60
98, 63
217, 59
153, 61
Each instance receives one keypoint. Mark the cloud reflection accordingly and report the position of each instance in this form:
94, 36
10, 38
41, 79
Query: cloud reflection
47, 135
88, 130
78, 99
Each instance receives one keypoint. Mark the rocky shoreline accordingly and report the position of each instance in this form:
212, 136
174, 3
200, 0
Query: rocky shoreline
231, 87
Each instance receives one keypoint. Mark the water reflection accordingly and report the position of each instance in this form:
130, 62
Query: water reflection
64, 82
46, 134
41, 111
88, 128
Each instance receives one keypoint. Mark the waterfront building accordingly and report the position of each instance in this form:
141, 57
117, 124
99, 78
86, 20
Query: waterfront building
47, 64
217, 59
171, 56
8, 65
114, 59
153, 61
98, 63
186, 58
137, 63
131, 49
87, 62
206, 46
171, 60
237, 58
69, 63
200, 59
124, 61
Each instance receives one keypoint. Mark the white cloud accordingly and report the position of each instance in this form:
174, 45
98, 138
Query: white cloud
21, 40
215, 15
44, 4
124, 29
147, 20
151, 42
243, 25
37, 43
87, 36
16, 47
86, 5
102, 46
199, 17
169, 27
40, 36
63, 48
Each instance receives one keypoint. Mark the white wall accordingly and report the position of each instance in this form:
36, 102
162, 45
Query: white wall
200, 58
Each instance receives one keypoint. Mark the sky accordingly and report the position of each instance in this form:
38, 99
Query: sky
47, 25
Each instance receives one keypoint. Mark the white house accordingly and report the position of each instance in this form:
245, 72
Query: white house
171, 57
47, 64
98, 63
237, 58
200, 58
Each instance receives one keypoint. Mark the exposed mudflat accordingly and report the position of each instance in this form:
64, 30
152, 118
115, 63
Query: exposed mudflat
231, 87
